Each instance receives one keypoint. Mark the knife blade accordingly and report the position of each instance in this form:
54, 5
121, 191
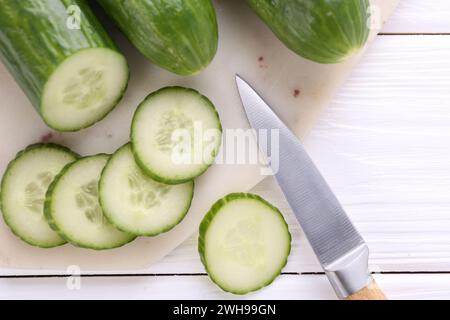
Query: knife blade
337, 244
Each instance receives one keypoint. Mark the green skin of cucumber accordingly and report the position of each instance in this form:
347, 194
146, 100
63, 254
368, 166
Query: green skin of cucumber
19, 155
35, 40
149, 171
109, 216
49, 214
324, 31
210, 217
178, 35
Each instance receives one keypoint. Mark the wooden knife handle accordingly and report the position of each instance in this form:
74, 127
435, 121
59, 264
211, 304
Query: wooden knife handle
371, 292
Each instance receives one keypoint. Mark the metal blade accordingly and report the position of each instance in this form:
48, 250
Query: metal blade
322, 218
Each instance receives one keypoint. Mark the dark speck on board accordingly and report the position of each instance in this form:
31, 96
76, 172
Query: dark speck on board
296, 93
48, 137
262, 63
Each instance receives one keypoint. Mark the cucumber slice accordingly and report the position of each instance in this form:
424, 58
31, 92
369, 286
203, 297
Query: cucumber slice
23, 189
137, 204
84, 89
244, 243
175, 135
73, 210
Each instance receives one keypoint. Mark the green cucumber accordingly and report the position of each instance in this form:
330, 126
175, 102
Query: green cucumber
137, 204
175, 135
23, 189
73, 210
72, 73
324, 31
178, 35
244, 243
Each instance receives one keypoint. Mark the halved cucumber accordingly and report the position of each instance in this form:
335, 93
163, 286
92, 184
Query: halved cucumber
84, 89
244, 243
73, 210
23, 189
137, 204
63, 59
175, 135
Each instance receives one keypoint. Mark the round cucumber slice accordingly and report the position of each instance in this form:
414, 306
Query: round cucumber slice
175, 135
23, 189
137, 204
73, 210
84, 89
244, 243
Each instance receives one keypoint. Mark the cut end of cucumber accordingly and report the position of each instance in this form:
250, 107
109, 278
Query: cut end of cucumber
73, 209
84, 89
244, 243
176, 135
24, 186
137, 204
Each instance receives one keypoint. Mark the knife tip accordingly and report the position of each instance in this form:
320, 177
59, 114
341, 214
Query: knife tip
240, 81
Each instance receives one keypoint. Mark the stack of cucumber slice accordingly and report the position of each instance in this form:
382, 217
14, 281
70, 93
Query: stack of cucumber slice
50, 196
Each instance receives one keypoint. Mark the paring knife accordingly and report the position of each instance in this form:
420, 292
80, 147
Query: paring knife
339, 247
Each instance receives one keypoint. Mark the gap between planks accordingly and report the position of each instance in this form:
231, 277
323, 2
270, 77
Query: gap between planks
414, 34
154, 275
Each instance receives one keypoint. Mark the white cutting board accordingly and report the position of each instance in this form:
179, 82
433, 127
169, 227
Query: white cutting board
297, 88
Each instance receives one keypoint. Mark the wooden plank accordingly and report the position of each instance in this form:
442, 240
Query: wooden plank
419, 16
200, 287
384, 146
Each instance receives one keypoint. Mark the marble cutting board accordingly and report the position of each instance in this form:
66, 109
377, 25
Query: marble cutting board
297, 88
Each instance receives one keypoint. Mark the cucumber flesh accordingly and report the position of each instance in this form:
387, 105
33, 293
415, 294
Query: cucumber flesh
176, 135
23, 191
244, 243
137, 204
84, 89
73, 210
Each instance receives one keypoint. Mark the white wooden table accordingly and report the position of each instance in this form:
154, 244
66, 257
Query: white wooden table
384, 146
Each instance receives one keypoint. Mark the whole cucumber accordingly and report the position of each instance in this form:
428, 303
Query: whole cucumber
178, 35
324, 31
